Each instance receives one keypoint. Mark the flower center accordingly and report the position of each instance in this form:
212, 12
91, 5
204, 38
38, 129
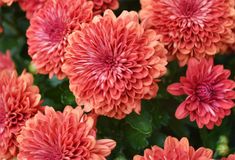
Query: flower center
188, 7
204, 91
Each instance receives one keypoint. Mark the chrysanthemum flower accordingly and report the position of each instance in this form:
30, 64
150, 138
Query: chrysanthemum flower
230, 157
209, 92
49, 30
67, 135
113, 63
7, 2
175, 150
6, 62
101, 5
190, 28
31, 6
19, 101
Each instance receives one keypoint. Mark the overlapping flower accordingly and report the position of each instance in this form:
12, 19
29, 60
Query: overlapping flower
113, 63
101, 5
19, 101
175, 150
230, 157
210, 93
6, 62
49, 30
191, 28
31, 6
68, 135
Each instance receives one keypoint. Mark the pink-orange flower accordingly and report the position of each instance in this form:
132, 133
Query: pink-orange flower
209, 92
190, 28
7, 2
19, 101
49, 30
113, 63
57, 136
101, 5
230, 157
31, 6
175, 150
6, 62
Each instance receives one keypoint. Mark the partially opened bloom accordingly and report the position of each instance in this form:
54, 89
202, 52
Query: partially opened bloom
19, 101
56, 136
31, 6
113, 63
49, 29
6, 62
230, 157
209, 92
101, 5
190, 28
175, 150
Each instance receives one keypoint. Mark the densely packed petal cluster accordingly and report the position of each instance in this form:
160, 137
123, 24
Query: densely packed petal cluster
67, 135
190, 28
49, 30
230, 157
101, 5
19, 101
175, 150
6, 62
209, 92
113, 63
31, 6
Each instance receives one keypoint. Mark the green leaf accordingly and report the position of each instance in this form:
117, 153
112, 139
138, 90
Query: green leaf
142, 123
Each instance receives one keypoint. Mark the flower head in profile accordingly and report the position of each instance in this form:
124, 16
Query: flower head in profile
209, 92
6, 62
68, 135
19, 101
113, 63
190, 28
31, 6
230, 157
175, 150
101, 5
49, 30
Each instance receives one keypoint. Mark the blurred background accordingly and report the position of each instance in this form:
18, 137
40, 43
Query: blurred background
134, 133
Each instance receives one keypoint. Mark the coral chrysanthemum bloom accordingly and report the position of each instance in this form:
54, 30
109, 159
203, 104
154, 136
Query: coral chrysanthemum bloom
175, 150
6, 62
49, 30
101, 5
190, 28
230, 157
19, 101
209, 92
8, 2
31, 6
67, 135
113, 63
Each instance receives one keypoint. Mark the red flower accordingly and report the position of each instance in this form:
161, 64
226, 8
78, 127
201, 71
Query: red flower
31, 6
6, 62
19, 101
190, 28
230, 157
209, 92
101, 5
175, 150
67, 135
49, 30
113, 63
